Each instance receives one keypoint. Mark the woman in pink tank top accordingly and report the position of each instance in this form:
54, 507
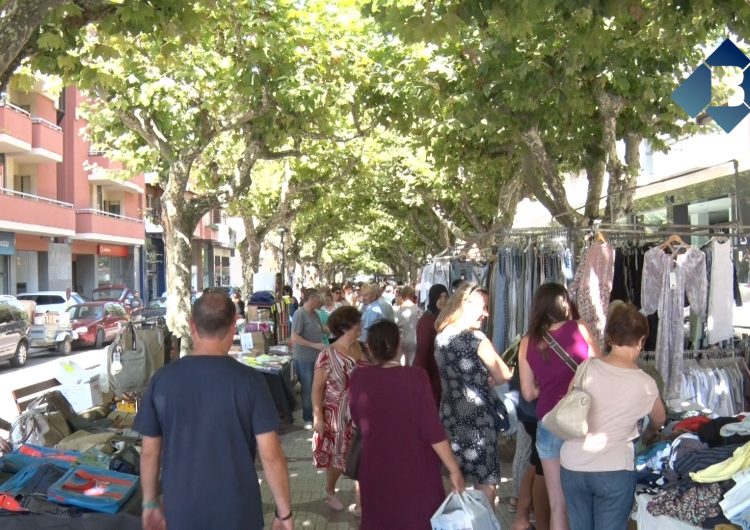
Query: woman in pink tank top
546, 377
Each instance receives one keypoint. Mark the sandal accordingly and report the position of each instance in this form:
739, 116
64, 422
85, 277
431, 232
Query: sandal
334, 502
513, 504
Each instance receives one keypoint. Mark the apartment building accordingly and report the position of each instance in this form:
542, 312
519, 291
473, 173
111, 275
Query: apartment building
66, 218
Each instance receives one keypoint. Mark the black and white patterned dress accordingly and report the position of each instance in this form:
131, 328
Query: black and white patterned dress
471, 412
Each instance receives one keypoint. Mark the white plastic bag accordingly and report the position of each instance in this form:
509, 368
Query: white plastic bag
469, 510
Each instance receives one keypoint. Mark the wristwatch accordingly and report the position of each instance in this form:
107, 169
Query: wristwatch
276, 513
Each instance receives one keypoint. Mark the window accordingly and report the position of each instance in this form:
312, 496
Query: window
23, 184
99, 198
112, 207
215, 217
6, 314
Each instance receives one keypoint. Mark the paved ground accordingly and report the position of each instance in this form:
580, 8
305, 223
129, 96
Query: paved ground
308, 486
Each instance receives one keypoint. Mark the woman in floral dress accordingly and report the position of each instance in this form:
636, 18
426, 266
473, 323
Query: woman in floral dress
470, 410
330, 394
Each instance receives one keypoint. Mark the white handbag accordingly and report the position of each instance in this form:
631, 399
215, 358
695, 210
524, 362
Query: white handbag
569, 418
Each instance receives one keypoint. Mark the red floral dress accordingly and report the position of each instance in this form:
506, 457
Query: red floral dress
330, 448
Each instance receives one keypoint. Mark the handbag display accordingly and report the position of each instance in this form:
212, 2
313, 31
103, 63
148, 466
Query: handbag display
569, 418
351, 464
133, 358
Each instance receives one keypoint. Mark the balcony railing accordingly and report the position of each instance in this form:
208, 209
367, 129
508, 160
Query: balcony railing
111, 215
48, 124
7, 104
35, 198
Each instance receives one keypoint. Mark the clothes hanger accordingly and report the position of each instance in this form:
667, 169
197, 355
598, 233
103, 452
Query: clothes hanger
673, 243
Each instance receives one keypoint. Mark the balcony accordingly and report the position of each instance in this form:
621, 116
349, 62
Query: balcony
32, 214
105, 227
15, 129
46, 144
226, 237
104, 172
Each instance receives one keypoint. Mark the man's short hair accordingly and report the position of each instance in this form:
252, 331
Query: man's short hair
213, 314
309, 294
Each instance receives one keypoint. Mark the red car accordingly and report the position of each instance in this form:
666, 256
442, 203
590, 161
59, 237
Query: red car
95, 323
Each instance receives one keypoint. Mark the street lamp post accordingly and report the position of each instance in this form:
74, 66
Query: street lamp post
282, 231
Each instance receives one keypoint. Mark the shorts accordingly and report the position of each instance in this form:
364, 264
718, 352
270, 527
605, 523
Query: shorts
547, 444
530, 428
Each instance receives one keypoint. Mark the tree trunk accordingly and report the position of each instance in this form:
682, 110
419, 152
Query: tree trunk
545, 180
250, 248
621, 190
179, 224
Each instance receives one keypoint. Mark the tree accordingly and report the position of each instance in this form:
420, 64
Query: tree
201, 104
553, 86
29, 28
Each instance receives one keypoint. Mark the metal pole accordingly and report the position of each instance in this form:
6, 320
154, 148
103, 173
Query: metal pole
283, 260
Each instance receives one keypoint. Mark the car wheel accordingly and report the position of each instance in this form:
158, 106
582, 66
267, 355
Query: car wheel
66, 346
99, 339
22, 351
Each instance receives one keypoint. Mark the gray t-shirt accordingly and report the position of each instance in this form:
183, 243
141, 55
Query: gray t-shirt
308, 326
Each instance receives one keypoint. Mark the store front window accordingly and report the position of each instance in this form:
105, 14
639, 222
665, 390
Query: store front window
111, 271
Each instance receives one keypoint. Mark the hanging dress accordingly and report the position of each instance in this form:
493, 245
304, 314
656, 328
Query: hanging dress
592, 287
666, 281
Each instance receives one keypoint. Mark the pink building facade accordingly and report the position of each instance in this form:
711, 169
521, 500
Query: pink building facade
62, 223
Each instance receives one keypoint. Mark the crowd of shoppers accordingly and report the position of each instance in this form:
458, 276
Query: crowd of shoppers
419, 387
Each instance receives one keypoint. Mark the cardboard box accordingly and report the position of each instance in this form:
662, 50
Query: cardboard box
254, 343
83, 396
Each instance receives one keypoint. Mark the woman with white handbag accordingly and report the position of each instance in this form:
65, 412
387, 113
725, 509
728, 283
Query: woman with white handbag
598, 473
547, 358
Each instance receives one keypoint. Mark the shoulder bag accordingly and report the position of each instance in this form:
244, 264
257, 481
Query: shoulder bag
569, 418
351, 463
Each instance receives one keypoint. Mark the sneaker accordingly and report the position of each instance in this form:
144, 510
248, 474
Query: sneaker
334, 503
308, 426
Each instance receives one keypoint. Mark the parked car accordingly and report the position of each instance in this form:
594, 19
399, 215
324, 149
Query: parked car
119, 293
95, 323
54, 301
155, 309
14, 332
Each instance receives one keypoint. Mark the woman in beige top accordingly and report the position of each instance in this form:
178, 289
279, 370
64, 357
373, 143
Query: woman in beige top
598, 472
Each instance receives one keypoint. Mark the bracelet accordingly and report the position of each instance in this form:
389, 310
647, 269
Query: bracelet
276, 513
150, 505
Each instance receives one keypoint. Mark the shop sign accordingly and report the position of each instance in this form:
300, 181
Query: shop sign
7, 243
112, 250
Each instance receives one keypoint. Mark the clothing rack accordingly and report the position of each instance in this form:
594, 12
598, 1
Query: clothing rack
739, 352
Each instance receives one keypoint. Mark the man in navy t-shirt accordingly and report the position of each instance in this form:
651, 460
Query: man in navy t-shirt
203, 418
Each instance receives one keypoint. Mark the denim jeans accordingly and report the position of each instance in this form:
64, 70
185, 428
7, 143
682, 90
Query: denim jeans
598, 500
305, 371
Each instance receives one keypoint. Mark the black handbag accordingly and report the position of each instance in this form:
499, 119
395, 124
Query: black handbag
351, 464
525, 410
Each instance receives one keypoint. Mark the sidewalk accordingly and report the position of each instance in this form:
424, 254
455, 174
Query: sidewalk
308, 485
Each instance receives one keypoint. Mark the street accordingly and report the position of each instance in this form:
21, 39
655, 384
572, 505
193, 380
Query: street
41, 365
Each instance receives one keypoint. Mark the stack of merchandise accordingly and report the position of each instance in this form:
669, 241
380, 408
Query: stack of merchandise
698, 473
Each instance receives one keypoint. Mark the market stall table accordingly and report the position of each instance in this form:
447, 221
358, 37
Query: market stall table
277, 371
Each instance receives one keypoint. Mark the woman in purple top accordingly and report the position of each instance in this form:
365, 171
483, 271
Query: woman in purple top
403, 441
545, 377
